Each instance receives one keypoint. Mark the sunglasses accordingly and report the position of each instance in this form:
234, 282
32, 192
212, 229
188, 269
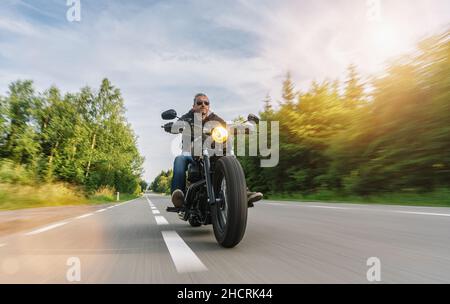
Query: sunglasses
199, 103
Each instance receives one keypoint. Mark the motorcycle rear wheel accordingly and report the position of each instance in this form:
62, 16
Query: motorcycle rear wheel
229, 213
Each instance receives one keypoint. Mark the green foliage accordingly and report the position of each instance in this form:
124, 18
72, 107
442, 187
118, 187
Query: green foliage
18, 196
394, 140
82, 139
436, 198
13, 173
162, 182
143, 185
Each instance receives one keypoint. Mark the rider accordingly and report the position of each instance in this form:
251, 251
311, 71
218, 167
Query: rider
202, 106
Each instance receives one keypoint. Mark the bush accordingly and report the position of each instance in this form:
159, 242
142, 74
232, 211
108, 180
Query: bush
15, 196
104, 193
12, 173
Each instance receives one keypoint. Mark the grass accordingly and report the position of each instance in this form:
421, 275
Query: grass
15, 196
19, 190
438, 198
104, 200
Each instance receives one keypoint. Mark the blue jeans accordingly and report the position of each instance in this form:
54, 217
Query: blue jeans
180, 166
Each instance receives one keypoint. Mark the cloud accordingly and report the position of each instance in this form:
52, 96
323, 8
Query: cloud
16, 27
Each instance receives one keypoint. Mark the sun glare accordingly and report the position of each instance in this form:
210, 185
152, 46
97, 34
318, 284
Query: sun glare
388, 41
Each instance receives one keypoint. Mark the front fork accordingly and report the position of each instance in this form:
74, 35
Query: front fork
209, 185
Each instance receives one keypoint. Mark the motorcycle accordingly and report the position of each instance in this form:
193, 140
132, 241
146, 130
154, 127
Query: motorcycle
216, 188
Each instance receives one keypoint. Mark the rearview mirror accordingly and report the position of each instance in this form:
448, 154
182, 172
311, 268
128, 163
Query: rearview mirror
169, 115
168, 127
253, 118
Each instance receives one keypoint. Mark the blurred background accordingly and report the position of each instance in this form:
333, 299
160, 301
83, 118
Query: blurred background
386, 139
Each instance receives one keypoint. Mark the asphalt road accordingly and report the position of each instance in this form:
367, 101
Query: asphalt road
139, 242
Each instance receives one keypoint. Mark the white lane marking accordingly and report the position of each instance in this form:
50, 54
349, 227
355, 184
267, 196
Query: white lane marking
424, 213
124, 203
63, 223
2, 245
151, 204
311, 206
326, 207
110, 207
161, 220
84, 216
155, 211
47, 228
183, 257
364, 209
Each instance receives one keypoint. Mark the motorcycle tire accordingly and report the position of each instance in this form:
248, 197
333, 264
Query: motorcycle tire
229, 216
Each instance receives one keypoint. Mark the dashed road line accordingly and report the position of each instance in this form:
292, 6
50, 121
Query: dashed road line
183, 257
361, 209
311, 206
56, 225
424, 213
124, 203
47, 228
327, 207
161, 220
84, 216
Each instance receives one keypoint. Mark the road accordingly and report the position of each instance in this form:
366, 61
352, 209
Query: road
139, 242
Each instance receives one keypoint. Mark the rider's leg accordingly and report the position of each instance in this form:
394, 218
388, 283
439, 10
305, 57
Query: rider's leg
179, 173
178, 186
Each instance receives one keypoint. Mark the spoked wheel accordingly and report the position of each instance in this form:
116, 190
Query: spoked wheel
229, 213
222, 207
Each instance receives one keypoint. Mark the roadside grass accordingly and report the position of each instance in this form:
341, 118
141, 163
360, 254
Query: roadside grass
98, 200
437, 198
15, 196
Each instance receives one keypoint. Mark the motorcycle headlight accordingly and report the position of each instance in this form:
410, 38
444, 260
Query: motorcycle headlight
219, 135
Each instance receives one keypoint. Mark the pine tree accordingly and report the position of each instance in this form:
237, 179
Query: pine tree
288, 92
268, 111
354, 89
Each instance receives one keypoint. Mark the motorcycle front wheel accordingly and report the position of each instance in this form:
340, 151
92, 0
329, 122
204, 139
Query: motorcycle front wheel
229, 213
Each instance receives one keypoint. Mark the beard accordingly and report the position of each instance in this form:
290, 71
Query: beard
204, 113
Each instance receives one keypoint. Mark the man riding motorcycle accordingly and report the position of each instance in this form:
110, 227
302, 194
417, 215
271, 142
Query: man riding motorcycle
178, 187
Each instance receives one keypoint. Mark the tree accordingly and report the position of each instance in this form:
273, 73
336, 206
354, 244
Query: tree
289, 94
19, 142
268, 108
396, 139
81, 138
354, 89
161, 184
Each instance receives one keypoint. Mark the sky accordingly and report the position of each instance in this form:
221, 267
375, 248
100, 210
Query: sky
161, 53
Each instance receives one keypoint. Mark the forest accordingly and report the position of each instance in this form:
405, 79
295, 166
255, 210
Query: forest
57, 147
